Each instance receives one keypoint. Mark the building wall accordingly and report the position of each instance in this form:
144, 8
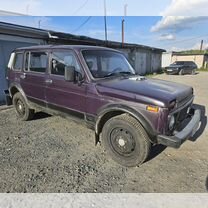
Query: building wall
166, 59
198, 59
156, 62
141, 62
7, 45
147, 61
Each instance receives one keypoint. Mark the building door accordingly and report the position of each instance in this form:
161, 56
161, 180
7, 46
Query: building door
140, 63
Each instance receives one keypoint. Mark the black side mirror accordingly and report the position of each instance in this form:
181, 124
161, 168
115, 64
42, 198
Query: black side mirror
70, 73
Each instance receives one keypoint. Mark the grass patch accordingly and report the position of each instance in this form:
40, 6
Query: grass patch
202, 69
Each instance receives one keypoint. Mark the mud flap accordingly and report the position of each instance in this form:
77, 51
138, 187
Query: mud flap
8, 98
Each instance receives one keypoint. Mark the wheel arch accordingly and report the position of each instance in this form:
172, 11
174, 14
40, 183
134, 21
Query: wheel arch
14, 88
113, 110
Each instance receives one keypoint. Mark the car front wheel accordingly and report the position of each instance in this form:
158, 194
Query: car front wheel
22, 109
181, 72
125, 140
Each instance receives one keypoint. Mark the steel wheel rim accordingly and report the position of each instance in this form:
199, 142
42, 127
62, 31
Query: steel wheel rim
20, 107
122, 141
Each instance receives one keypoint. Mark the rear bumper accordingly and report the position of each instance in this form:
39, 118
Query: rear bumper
178, 138
8, 97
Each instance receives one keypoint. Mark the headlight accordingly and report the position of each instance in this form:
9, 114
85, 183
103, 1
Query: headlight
171, 122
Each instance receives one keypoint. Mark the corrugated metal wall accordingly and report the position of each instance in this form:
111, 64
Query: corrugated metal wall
147, 62
143, 61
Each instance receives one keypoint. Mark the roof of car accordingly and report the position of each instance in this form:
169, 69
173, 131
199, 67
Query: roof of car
185, 61
78, 47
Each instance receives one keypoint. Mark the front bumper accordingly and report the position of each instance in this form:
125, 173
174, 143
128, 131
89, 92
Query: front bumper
179, 137
171, 71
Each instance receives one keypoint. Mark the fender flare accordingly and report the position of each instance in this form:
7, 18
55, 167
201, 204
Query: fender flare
125, 109
19, 88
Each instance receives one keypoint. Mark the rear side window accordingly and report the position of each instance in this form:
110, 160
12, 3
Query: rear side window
36, 61
17, 64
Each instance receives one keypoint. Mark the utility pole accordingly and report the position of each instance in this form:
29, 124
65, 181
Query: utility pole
105, 20
122, 26
201, 45
39, 21
123, 23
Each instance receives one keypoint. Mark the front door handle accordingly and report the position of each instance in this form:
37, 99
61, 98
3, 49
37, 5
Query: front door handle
23, 76
49, 81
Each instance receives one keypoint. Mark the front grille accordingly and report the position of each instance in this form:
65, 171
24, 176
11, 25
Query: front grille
181, 113
184, 101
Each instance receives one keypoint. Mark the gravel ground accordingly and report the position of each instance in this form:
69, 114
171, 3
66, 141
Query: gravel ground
53, 154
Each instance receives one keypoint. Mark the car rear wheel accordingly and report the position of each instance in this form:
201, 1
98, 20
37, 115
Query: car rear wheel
125, 140
22, 109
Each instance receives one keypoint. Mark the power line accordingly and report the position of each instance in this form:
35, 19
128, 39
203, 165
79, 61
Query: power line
83, 5
85, 22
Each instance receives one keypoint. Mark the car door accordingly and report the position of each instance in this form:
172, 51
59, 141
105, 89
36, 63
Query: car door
32, 79
64, 95
189, 67
185, 68
192, 67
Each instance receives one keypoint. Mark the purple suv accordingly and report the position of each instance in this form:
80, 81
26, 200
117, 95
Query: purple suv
128, 113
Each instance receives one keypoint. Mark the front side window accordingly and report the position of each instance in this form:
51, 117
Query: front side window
17, 66
36, 61
104, 63
61, 60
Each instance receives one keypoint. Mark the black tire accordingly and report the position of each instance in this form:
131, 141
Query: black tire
181, 72
126, 141
22, 109
193, 72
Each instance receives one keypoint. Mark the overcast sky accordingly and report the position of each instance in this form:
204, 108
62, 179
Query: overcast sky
168, 24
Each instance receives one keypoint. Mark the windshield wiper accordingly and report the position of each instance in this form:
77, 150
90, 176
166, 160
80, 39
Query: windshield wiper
118, 73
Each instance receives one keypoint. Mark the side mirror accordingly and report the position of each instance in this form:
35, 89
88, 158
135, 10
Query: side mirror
70, 73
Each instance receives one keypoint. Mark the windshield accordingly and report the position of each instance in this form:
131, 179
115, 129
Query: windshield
178, 63
104, 63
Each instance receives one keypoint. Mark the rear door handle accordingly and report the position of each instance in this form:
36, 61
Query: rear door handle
23, 76
49, 81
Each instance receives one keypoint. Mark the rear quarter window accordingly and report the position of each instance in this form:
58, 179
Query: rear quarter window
18, 62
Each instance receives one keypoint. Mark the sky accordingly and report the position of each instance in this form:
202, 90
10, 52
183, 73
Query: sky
168, 24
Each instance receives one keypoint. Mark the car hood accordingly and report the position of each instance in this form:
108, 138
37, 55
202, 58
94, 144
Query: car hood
151, 91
